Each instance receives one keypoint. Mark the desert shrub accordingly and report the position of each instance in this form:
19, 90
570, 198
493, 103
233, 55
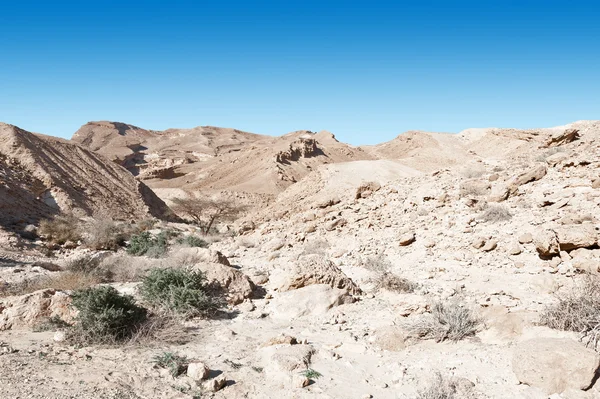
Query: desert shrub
451, 321
178, 290
89, 266
160, 329
105, 316
378, 263
147, 244
173, 362
391, 282
439, 388
311, 374
125, 268
105, 234
473, 171
474, 188
192, 241
578, 310
496, 213
60, 229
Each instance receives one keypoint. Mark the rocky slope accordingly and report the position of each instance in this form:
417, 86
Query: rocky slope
42, 175
333, 276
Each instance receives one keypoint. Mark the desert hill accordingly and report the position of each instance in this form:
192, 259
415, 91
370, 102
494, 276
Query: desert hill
43, 175
214, 159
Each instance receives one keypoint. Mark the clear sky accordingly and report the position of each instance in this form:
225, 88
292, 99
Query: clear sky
364, 70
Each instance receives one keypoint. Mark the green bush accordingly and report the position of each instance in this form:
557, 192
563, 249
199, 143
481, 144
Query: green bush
147, 244
177, 290
192, 241
173, 362
105, 316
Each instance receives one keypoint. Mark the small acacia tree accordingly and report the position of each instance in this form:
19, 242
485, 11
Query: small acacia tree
205, 212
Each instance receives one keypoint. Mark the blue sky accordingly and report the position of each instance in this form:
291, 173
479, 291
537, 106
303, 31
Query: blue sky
365, 70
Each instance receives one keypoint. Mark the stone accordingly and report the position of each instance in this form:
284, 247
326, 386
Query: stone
51, 267
514, 248
327, 203
290, 358
596, 183
390, 338
198, 371
314, 269
478, 243
428, 243
530, 176
406, 239
546, 243
555, 364
274, 245
576, 236
490, 245
214, 385
332, 225
526, 238
564, 137
236, 285
366, 189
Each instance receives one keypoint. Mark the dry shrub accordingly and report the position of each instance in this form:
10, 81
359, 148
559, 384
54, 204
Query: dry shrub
391, 282
125, 268
452, 321
60, 229
378, 263
475, 188
496, 213
473, 171
160, 329
578, 310
106, 234
440, 387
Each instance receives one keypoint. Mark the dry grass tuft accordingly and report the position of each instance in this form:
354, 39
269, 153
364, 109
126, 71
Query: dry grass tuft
391, 282
439, 388
578, 310
451, 321
496, 213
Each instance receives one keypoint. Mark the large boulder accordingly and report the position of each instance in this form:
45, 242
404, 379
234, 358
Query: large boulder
564, 137
28, 310
235, 284
313, 300
530, 176
555, 364
314, 269
576, 236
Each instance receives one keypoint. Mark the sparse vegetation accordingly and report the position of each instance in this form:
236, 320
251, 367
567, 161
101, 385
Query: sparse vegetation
578, 310
105, 234
439, 388
89, 266
205, 212
496, 213
311, 374
105, 316
451, 321
51, 324
60, 229
192, 241
178, 290
173, 362
391, 282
